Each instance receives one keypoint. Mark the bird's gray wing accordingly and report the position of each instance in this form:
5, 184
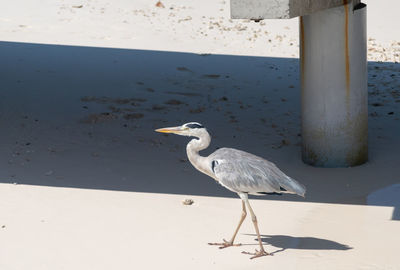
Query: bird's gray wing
240, 171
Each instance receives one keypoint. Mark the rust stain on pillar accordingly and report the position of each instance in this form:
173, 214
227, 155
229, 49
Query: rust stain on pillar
302, 54
346, 48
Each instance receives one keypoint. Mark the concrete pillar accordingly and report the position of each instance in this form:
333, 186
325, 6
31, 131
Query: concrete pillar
333, 59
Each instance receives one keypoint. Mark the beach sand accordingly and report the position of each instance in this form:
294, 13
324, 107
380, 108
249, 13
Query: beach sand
87, 183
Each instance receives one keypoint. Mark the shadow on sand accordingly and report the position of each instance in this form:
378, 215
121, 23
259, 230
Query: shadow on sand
84, 117
285, 242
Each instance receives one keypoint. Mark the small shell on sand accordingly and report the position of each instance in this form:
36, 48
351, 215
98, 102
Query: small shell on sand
187, 202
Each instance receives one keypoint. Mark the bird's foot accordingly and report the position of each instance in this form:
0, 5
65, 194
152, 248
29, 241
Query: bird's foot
225, 244
258, 253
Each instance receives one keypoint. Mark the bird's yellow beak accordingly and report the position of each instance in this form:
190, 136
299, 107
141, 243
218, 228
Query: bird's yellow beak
175, 130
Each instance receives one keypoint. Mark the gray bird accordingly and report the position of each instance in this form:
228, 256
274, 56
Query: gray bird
238, 171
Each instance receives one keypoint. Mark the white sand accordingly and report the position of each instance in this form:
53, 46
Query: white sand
57, 228
82, 116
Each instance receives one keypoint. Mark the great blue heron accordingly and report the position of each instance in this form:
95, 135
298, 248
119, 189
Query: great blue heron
238, 171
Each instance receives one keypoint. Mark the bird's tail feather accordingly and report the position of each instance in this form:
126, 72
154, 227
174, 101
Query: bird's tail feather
292, 186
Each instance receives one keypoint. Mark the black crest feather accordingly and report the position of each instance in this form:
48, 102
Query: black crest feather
194, 125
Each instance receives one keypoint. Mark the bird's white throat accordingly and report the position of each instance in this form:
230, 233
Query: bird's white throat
192, 149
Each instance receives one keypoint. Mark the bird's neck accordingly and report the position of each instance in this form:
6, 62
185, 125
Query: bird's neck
199, 162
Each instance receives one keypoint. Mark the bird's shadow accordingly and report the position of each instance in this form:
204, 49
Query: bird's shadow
294, 242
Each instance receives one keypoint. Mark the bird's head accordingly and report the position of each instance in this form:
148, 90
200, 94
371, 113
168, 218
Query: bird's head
192, 129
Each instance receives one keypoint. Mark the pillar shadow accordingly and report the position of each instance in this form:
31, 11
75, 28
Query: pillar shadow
387, 196
84, 117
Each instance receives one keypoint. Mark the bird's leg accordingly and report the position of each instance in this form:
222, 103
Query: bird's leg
244, 214
230, 243
260, 252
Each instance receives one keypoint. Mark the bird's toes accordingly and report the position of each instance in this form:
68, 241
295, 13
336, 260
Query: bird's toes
224, 244
258, 253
